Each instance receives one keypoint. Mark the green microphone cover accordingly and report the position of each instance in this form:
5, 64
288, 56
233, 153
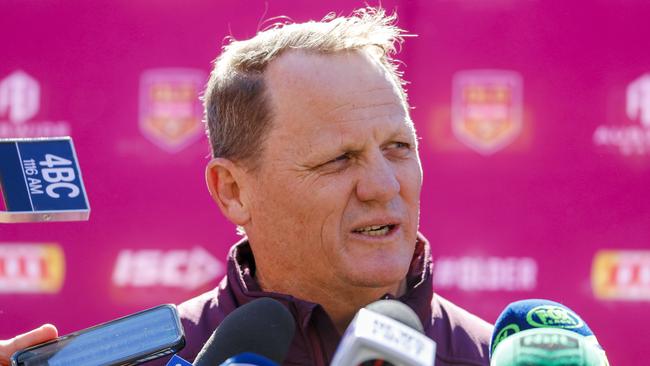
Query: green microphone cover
548, 347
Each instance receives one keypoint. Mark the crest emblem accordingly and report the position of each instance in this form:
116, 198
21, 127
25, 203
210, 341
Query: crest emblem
170, 109
487, 109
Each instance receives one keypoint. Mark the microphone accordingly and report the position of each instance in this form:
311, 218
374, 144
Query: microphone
248, 359
540, 332
388, 331
257, 333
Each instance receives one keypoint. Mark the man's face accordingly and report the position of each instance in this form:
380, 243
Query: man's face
336, 198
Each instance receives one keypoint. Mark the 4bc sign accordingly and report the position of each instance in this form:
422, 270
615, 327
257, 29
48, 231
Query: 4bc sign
41, 181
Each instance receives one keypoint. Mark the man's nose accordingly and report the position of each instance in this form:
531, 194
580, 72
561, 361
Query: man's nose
378, 181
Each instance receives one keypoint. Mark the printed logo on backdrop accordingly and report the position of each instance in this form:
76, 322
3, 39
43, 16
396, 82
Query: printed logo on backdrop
485, 273
31, 268
621, 275
487, 109
186, 269
20, 101
633, 137
170, 109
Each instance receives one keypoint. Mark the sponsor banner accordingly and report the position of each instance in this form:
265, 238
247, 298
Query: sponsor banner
20, 100
142, 274
487, 108
485, 273
633, 137
621, 275
31, 268
170, 110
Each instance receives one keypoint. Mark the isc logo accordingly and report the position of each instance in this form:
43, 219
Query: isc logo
181, 268
31, 268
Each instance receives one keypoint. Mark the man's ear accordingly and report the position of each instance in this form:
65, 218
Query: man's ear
224, 179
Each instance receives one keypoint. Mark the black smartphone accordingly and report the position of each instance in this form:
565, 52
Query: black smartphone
129, 340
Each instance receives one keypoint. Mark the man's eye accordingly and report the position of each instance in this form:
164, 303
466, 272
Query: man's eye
398, 149
399, 146
340, 158
338, 163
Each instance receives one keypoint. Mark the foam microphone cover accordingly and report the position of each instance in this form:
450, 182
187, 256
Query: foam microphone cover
399, 311
537, 313
263, 327
386, 332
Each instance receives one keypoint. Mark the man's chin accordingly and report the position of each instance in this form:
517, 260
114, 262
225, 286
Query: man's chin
387, 278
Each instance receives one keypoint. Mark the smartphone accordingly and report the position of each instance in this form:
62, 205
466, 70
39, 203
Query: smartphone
130, 340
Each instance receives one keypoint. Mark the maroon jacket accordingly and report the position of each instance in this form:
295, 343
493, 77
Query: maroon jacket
461, 338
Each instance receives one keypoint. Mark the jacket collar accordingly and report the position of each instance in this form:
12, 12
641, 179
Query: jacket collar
241, 271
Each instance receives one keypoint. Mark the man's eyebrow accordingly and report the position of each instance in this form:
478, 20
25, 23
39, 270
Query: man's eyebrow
402, 130
328, 149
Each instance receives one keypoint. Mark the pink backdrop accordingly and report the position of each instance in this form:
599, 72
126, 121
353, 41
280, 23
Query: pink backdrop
535, 121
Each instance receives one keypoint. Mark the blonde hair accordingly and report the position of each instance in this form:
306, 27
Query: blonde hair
237, 113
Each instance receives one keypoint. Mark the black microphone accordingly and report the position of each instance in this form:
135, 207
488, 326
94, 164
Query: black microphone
262, 327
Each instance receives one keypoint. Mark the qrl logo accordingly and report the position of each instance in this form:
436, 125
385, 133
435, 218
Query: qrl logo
170, 109
487, 108
19, 97
638, 100
29, 268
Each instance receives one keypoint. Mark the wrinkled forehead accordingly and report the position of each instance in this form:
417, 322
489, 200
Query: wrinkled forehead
326, 75
322, 103
334, 87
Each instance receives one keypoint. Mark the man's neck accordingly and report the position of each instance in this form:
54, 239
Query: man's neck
341, 303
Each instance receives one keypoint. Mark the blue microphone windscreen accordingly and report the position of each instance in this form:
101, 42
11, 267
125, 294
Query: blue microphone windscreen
536, 313
248, 358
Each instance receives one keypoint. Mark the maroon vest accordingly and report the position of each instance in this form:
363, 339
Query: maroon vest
461, 338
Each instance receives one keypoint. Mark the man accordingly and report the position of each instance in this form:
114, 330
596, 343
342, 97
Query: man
315, 160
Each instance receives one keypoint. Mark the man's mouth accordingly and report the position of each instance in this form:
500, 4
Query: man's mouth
375, 230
